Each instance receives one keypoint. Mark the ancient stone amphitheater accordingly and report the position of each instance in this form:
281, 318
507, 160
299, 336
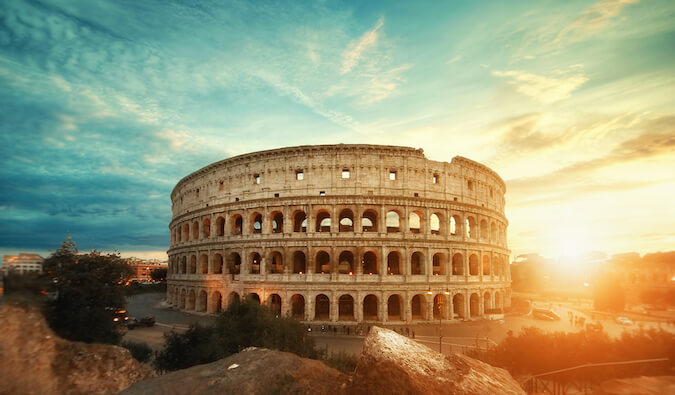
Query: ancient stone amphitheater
354, 233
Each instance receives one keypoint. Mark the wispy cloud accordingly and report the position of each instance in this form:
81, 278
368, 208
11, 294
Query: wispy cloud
355, 50
456, 59
546, 89
591, 21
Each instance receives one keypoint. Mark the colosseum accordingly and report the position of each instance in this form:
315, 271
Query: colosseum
353, 233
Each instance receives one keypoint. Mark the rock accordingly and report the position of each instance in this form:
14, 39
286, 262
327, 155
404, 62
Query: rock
33, 360
393, 364
252, 371
638, 386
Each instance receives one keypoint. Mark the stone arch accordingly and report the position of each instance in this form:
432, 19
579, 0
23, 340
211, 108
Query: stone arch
458, 306
277, 222
486, 265
369, 263
370, 305
394, 310
192, 300
234, 263
193, 264
195, 230
487, 302
393, 221
254, 263
220, 226
394, 263
274, 303
186, 232
493, 233
440, 304
436, 224
346, 308
216, 302
300, 221
417, 263
369, 221
323, 221
438, 264
237, 224
299, 262
206, 227
455, 225
183, 265
346, 220
474, 305
253, 297
256, 223
203, 264
321, 308
473, 265
183, 299
499, 303
415, 222
484, 229
217, 264
457, 264
322, 264
298, 307
201, 301
418, 307
233, 297
276, 263
346, 263
470, 227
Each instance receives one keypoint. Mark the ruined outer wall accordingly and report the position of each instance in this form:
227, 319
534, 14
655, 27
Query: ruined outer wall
225, 244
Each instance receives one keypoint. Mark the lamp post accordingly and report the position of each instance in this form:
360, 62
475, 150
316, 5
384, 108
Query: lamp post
440, 320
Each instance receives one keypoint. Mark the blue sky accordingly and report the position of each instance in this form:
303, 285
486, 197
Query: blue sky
107, 104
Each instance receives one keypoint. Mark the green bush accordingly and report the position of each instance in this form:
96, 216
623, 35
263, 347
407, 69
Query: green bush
139, 350
243, 325
342, 361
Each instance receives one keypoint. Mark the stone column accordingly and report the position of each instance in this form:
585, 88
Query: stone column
334, 311
358, 308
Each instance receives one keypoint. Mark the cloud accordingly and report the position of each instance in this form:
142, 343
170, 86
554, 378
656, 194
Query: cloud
352, 55
591, 21
520, 134
545, 89
455, 59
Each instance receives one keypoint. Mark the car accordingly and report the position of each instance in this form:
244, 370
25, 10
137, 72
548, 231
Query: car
120, 316
145, 321
625, 321
545, 314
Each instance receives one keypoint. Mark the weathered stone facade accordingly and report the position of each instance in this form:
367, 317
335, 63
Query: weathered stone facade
359, 233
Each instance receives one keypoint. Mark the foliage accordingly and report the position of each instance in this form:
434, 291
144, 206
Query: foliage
158, 274
534, 351
138, 288
342, 361
26, 289
88, 290
139, 350
243, 325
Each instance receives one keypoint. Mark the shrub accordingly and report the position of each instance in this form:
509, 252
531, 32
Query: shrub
139, 350
342, 361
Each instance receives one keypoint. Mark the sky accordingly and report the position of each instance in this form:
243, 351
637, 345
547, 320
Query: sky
106, 105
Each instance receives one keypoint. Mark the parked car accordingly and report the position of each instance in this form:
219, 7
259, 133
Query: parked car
625, 321
145, 321
545, 314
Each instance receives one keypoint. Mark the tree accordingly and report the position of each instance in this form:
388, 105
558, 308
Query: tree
88, 290
158, 274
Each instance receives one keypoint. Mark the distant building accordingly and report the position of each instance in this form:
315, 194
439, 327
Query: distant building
143, 267
648, 279
22, 263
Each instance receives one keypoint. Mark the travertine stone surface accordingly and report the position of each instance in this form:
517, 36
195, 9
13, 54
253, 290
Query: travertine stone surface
354, 233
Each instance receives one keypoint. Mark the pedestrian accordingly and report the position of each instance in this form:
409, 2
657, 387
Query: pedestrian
413, 335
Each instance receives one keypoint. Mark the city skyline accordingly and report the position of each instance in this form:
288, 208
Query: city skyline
107, 106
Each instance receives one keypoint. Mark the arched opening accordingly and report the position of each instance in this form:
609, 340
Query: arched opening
346, 308
369, 263
470, 226
416, 263
474, 305
415, 222
203, 264
439, 307
370, 308
192, 300
299, 262
322, 308
473, 265
323, 222
458, 306
486, 302
394, 263
233, 298
346, 263
182, 301
186, 232
455, 225
276, 265
498, 301
438, 264
346, 220
394, 312
218, 264
195, 230
206, 225
253, 297
418, 307
274, 302
435, 224
193, 264
216, 302
277, 222
393, 222
457, 264
369, 221
237, 224
298, 307
256, 223
493, 233
322, 262
183, 265
201, 301
234, 263
486, 265
300, 221
220, 226
255, 260
483, 229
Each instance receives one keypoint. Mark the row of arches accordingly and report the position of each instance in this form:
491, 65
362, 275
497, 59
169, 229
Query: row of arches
347, 307
280, 261
346, 221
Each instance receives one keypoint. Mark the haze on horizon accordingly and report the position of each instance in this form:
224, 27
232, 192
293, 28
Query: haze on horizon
107, 105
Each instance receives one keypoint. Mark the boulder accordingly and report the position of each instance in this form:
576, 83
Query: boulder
33, 360
251, 371
394, 364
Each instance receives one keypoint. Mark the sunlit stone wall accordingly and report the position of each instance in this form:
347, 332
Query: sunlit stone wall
342, 232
